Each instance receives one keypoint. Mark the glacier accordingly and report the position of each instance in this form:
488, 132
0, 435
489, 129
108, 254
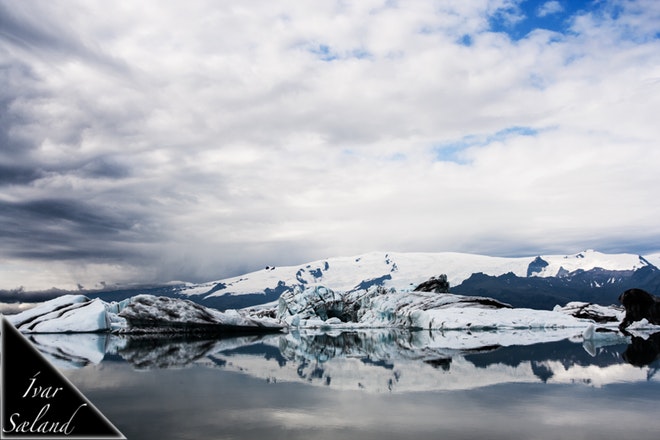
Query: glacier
404, 270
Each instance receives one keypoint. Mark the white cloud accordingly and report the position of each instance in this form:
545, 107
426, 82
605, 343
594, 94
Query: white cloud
549, 8
219, 138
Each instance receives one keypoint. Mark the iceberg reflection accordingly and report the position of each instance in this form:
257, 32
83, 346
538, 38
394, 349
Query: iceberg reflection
378, 360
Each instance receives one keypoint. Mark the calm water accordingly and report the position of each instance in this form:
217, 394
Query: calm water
367, 385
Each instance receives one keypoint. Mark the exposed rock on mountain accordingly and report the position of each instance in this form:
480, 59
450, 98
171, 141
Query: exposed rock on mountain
537, 266
434, 284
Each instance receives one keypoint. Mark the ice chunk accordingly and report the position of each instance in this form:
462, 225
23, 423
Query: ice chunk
378, 307
69, 313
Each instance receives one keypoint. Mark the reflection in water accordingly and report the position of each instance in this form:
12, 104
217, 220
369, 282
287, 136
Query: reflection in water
642, 352
67, 350
375, 360
168, 351
368, 385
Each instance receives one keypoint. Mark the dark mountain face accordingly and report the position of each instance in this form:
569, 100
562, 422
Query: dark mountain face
536, 266
598, 286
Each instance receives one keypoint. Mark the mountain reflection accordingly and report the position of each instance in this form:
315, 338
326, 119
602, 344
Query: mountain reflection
374, 360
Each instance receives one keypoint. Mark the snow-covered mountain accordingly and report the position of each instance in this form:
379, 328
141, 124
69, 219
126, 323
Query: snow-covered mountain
583, 275
654, 259
406, 270
402, 271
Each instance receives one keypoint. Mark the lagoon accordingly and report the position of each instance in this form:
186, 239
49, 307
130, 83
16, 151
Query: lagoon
367, 385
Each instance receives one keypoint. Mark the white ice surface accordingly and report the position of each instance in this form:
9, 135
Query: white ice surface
69, 313
76, 313
422, 310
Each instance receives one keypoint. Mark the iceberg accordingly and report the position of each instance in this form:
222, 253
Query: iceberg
377, 340
157, 314
594, 312
64, 314
321, 307
139, 314
316, 307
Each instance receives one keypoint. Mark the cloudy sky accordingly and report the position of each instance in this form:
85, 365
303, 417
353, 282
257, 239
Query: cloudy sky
154, 141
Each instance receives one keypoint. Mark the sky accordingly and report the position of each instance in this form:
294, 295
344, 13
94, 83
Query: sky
153, 141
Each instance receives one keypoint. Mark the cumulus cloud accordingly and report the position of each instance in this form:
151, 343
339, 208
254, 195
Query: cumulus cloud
550, 8
150, 142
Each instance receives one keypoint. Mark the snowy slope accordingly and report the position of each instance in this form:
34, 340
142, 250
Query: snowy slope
590, 260
654, 259
404, 271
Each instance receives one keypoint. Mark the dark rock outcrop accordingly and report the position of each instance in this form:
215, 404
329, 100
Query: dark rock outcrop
536, 266
639, 305
434, 284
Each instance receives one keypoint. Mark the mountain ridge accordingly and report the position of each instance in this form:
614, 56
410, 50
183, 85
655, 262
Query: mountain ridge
407, 269
404, 271
539, 281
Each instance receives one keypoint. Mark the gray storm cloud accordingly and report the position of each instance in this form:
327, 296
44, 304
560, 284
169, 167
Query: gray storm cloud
152, 142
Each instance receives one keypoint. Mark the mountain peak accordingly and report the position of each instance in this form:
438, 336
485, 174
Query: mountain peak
536, 266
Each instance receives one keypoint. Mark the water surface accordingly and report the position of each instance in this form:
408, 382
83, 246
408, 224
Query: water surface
371, 385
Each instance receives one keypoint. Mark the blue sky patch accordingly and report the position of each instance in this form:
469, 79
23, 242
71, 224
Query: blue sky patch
328, 54
465, 40
529, 15
323, 52
453, 151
